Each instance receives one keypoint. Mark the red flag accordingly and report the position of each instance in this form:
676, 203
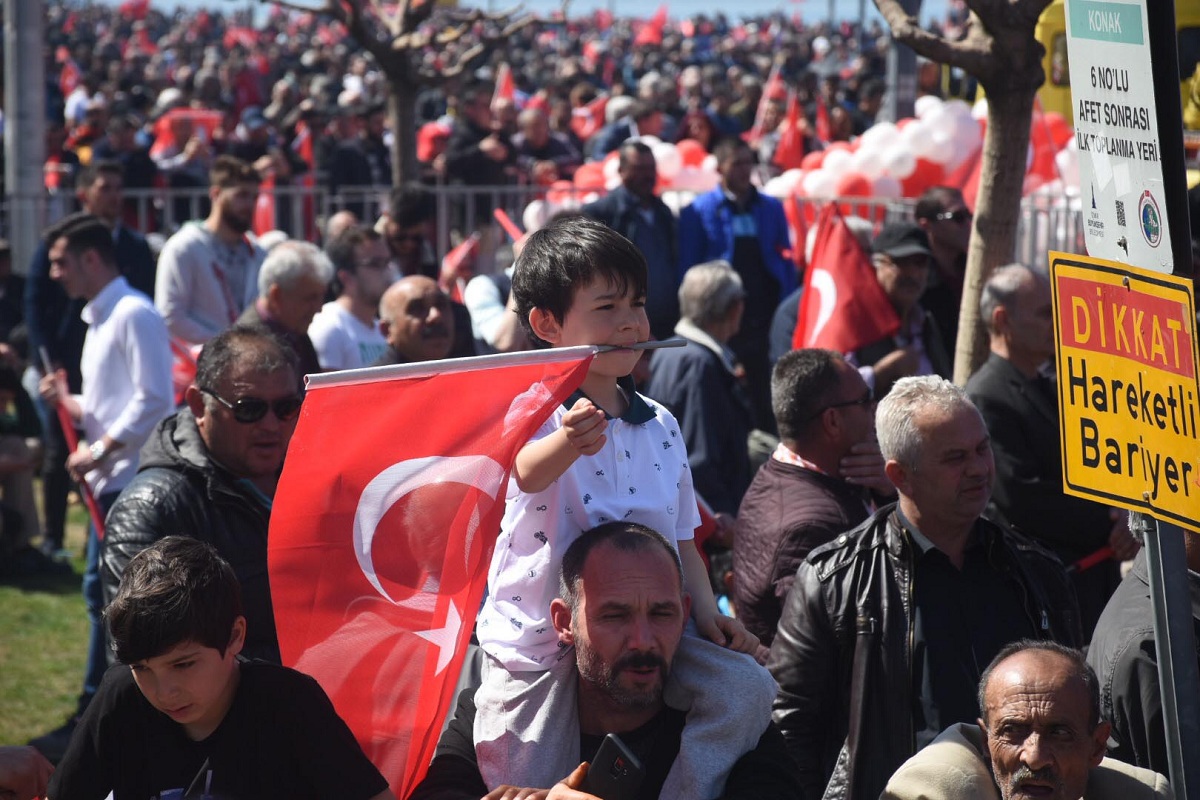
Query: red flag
790, 150
264, 206
382, 531
505, 90
799, 230
70, 76
589, 119
458, 266
772, 89
135, 9
823, 130
651, 32
843, 307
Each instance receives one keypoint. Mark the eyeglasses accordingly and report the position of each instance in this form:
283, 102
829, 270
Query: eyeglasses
867, 399
961, 215
248, 410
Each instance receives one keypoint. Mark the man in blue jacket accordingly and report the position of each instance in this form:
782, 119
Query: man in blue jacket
737, 223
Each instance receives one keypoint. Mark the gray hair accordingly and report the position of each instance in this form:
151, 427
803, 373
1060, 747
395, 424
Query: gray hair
895, 425
1002, 287
290, 261
708, 291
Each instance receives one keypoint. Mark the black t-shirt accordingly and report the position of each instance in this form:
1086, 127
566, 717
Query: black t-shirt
280, 739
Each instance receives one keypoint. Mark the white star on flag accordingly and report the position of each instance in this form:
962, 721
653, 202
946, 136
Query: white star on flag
444, 638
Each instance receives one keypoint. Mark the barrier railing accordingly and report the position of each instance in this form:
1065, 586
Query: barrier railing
1046, 223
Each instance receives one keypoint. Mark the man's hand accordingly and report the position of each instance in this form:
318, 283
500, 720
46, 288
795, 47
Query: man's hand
728, 632
584, 425
897, 364
493, 148
1120, 539
53, 387
80, 463
864, 467
24, 773
569, 787
506, 792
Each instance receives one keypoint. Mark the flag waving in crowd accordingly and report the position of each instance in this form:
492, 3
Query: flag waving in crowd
382, 531
843, 307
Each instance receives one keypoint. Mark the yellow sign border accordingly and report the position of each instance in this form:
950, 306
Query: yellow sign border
1116, 273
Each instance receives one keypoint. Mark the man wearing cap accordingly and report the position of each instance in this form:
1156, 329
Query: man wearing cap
902, 258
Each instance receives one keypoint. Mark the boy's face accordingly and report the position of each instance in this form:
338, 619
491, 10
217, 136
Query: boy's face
192, 684
599, 314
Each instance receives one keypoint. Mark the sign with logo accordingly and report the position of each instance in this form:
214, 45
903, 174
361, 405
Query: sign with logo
1116, 133
1129, 398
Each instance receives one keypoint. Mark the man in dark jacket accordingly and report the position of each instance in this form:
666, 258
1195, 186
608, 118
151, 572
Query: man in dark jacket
634, 211
815, 485
1017, 396
210, 470
887, 628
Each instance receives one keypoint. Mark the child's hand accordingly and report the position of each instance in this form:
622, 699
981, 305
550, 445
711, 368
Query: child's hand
728, 632
584, 425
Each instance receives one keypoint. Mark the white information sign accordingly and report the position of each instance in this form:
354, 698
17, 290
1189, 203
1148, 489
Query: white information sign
1116, 132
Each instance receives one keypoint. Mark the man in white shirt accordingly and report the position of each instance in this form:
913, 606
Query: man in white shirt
208, 271
126, 368
346, 332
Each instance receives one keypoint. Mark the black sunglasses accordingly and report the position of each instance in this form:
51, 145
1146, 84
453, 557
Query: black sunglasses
867, 399
961, 215
251, 409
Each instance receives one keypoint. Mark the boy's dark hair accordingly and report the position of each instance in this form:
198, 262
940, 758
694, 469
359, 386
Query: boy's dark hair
564, 256
83, 232
177, 590
229, 172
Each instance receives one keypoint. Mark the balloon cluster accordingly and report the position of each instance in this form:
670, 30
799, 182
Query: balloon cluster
939, 145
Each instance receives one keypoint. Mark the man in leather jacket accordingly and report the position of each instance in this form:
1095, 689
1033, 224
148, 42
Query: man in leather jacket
887, 628
209, 471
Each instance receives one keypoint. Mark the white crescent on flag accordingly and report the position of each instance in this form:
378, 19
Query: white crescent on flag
823, 284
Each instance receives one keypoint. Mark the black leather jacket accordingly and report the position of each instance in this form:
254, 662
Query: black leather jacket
179, 490
843, 652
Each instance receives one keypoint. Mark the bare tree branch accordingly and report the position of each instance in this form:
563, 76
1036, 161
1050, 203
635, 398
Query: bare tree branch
972, 54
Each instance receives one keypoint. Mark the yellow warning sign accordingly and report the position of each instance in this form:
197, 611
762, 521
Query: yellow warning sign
1128, 395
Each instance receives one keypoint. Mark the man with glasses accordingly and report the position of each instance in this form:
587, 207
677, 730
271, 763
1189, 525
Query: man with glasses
817, 484
887, 629
210, 470
901, 257
943, 215
346, 332
126, 390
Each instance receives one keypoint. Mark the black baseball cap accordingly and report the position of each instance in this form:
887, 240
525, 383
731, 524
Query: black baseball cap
901, 239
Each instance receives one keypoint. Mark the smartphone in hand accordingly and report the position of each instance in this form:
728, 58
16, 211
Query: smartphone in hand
615, 773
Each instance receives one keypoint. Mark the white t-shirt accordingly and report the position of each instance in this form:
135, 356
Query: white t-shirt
641, 474
343, 341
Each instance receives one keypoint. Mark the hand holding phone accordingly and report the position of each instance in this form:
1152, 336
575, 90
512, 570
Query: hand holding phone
615, 773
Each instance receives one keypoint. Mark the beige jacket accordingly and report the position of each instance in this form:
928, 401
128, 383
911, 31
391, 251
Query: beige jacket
953, 767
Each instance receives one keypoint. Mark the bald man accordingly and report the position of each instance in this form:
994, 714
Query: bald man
417, 321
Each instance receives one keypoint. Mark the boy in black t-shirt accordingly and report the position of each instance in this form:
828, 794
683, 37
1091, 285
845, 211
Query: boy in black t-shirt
187, 717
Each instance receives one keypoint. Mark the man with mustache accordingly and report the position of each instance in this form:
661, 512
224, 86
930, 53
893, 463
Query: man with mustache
1041, 731
902, 259
416, 320
621, 611
208, 271
887, 628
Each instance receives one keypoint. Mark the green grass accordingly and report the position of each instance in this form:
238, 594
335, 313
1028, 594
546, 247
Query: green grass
43, 646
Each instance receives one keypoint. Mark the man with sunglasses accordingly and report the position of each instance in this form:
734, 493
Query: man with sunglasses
887, 629
943, 214
817, 484
210, 470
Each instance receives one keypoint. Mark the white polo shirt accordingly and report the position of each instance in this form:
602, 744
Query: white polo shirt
641, 474
342, 340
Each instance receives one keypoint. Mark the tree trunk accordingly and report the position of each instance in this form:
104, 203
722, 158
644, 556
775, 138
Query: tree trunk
402, 110
997, 214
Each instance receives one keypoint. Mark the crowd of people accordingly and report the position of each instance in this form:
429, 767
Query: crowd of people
884, 596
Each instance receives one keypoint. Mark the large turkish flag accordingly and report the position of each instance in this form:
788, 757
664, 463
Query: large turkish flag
383, 527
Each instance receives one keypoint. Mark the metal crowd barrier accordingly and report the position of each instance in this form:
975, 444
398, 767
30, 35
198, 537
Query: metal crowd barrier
1045, 223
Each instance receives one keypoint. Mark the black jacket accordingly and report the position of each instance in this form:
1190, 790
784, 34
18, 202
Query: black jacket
1125, 658
843, 651
179, 490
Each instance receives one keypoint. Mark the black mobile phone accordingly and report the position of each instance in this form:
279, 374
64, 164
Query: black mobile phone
615, 773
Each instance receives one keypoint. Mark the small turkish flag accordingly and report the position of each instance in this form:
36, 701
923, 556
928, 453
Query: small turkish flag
382, 531
843, 307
